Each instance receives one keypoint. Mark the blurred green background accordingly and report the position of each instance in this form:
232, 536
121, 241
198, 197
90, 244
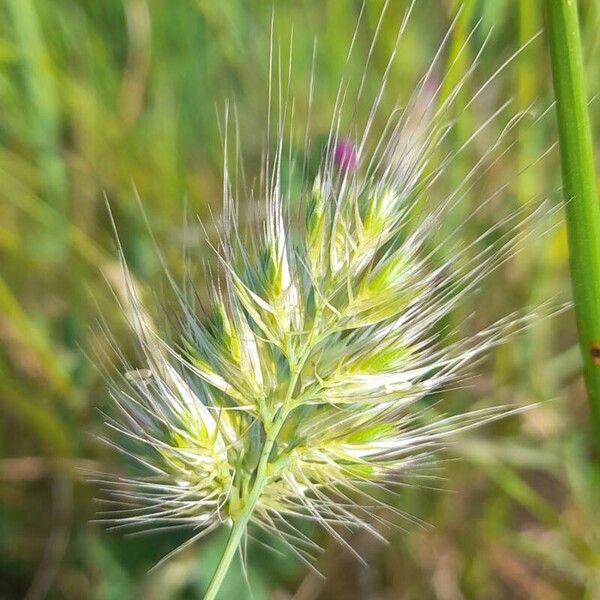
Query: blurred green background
99, 98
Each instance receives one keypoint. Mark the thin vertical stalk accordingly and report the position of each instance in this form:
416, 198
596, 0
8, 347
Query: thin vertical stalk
527, 79
539, 276
582, 207
458, 62
241, 521
235, 537
43, 109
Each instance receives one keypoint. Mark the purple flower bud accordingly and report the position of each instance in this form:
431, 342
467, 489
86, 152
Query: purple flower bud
344, 155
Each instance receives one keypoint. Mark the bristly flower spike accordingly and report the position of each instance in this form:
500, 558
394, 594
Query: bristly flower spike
309, 382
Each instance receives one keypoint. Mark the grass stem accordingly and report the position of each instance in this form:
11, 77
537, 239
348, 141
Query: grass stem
579, 181
241, 521
233, 543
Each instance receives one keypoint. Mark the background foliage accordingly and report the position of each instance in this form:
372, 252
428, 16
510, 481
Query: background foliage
103, 98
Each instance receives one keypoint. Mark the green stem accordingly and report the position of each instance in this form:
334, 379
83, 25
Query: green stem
261, 478
241, 521
527, 80
582, 207
239, 525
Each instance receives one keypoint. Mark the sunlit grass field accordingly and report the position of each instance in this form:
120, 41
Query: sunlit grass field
122, 102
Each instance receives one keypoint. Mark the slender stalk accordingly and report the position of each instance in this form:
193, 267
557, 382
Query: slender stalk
582, 207
458, 63
527, 80
43, 111
233, 542
242, 520
239, 527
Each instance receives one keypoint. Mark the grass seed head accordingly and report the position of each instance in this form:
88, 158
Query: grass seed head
310, 380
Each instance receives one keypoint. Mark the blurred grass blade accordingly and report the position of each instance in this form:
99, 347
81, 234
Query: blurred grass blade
35, 339
43, 109
38, 415
527, 80
582, 208
458, 62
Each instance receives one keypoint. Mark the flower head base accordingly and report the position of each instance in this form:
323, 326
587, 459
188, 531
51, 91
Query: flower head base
310, 380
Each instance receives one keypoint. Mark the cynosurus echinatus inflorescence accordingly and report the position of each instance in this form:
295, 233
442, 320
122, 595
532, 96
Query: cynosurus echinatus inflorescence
305, 388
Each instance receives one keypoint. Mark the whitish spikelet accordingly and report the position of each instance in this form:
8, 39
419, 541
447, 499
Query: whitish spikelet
306, 384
